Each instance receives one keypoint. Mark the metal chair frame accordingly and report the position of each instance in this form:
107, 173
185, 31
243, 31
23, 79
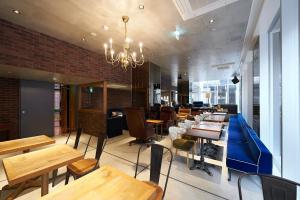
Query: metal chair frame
265, 182
155, 164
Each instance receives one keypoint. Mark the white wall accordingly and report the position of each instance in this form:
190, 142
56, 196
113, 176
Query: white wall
247, 88
290, 83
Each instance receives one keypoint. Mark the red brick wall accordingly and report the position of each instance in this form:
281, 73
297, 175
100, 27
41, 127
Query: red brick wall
22, 47
9, 104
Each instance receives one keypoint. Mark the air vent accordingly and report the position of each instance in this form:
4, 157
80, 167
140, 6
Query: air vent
223, 66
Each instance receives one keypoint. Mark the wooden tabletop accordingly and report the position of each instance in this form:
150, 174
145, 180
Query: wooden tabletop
215, 118
205, 134
24, 144
106, 183
208, 127
154, 121
30, 165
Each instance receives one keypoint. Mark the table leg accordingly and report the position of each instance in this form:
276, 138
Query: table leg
201, 164
26, 151
45, 184
156, 131
161, 130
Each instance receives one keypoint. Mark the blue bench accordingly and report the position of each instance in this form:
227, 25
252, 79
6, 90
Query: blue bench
245, 151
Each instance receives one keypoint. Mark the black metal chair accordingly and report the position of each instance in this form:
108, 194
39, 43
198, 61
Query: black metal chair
85, 166
77, 139
273, 187
157, 152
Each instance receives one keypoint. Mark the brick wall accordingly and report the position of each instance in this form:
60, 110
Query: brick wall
22, 47
9, 104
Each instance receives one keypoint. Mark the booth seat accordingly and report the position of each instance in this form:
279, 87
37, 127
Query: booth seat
245, 151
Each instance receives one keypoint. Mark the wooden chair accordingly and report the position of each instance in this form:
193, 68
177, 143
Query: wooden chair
273, 187
138, 127
157, 152
85, 166
77, 139
183, 113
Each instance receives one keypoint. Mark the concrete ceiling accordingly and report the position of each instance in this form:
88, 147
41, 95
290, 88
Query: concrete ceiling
201, 44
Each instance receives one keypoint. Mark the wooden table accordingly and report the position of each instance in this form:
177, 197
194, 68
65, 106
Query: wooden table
157, 123
210, 126
107, 183
215, 118
22, 168
24, 144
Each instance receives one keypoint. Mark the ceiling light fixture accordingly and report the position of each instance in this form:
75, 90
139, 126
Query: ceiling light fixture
54, 79
141, 6
16, 11
211, 21
83, 39
127, 57
93, 34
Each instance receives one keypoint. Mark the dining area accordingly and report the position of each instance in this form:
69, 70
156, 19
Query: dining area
37, 158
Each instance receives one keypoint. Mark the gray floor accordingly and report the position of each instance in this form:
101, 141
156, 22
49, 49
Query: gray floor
183, 183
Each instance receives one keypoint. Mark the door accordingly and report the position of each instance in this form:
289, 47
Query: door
37, 108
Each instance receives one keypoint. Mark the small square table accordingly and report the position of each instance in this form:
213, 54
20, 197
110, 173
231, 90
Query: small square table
208, 132
157, 123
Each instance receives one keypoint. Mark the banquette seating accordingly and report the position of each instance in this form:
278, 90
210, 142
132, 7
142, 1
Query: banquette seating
245, 151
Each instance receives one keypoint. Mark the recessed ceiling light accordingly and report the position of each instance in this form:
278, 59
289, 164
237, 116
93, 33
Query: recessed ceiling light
16, 11
54, 79
93, 34
83, 39
211, 21
105, 27
177, 34
141, 6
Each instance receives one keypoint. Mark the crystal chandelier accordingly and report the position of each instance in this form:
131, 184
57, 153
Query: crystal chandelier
127, 57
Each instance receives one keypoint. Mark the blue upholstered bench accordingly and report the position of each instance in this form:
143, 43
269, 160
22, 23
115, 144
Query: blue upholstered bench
245, 151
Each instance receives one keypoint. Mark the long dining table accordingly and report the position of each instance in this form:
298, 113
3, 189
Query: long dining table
107, 183
24, 144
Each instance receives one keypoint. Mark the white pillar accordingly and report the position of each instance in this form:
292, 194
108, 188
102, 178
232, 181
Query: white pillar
290, 90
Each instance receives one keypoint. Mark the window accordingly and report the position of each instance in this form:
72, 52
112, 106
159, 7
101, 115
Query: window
215, 92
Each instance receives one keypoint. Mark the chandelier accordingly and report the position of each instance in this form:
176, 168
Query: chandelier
127, 57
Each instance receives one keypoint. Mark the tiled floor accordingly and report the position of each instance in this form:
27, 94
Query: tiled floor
183, 183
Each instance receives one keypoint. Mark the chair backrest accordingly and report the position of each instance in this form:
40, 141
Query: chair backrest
186, 111
167, 113
273, 187
136, 122
77, 139
157, 152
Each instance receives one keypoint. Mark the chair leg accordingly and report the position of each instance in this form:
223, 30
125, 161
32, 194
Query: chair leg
54, 175
67, 177
187, 160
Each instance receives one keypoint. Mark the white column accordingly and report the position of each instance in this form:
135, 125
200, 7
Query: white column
290, 90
